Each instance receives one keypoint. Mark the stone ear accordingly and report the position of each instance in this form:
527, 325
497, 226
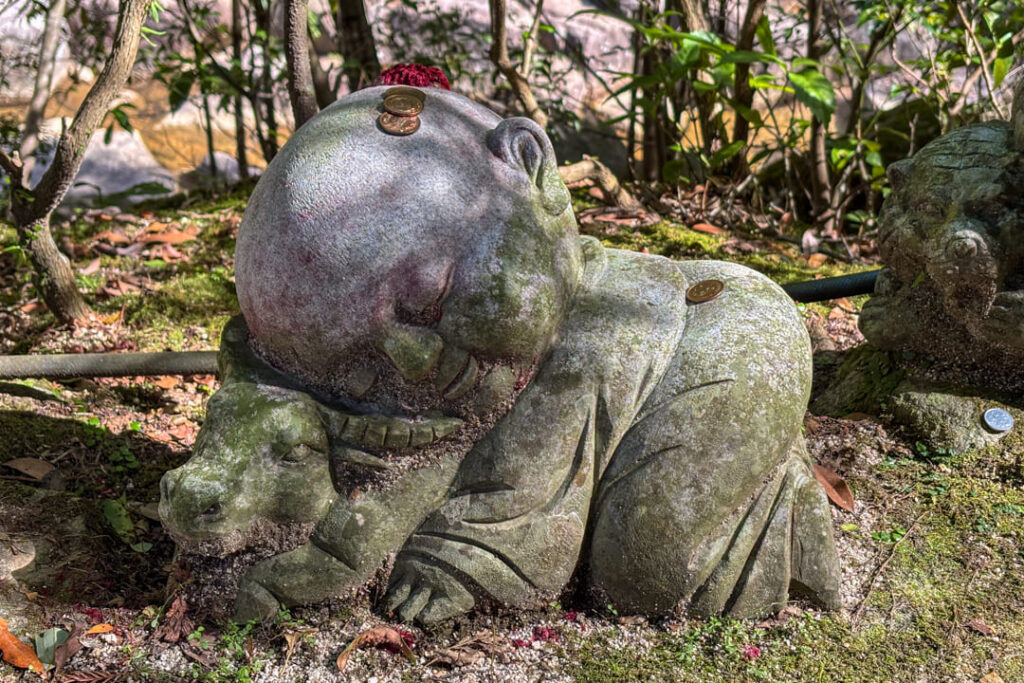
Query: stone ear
898, 172
522, 144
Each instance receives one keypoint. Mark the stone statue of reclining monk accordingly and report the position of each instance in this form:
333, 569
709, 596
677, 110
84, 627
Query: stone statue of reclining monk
442, 378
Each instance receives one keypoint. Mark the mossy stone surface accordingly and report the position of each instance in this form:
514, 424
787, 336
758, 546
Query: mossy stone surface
473, 397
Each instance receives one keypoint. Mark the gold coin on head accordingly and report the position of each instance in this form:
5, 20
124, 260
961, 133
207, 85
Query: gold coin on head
403, 105
705, 290
399, 125
405, 90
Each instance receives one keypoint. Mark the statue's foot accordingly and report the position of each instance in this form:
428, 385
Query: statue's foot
424, 593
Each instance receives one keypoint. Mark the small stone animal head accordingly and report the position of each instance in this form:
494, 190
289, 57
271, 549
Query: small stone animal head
400, 270
261, 460
955, 218
263, 464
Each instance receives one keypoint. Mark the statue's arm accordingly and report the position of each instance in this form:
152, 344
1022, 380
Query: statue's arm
347, 546
514, 525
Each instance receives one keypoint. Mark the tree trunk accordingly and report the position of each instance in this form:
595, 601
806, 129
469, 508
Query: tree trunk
53, 276
744, 94
210, 149
31, 209
296, 51
41, 87
264, 92
356, 44
325, 94
820, 182
241, 153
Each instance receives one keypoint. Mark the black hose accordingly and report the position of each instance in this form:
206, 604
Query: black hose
832, 287
68, 365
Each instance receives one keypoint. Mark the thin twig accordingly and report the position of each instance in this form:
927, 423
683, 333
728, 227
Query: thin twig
530, 44
973, 37
858, 612
499, 57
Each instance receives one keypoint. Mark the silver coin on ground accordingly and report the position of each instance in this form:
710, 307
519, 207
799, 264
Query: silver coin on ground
997, 420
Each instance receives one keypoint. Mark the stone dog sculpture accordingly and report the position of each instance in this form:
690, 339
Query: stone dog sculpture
952, 239
442, 379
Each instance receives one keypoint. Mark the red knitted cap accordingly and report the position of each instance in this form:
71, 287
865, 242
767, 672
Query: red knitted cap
417, 75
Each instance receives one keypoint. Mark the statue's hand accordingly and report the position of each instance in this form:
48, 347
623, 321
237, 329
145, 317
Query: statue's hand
1005, 321
424, 593
254, 601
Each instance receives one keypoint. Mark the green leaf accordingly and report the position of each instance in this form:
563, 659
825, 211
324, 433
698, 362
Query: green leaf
117, 515
142, 547
999, 68
815, 92
48, 641
726, 153
672, 172
765, 39
179, 89
749, 57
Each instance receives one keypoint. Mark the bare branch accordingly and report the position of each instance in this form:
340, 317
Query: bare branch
530, 45
73, 142
499, 56
592, 169
11, 167
41, 87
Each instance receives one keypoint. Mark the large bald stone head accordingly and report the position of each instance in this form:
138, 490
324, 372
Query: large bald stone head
363, 252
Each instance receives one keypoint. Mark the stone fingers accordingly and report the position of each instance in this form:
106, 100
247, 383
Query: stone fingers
254, 602
415, 604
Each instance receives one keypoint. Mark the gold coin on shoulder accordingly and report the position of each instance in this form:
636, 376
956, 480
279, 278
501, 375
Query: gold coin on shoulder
403, 105
405, 90
705, 290
398, 125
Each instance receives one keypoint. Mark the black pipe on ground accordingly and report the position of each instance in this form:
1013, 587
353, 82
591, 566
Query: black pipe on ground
69, 365
832, 287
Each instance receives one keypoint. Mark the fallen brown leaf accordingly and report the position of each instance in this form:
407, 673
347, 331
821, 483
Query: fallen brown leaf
167, 381
92, 267
17, 653
176, 623
67, 649
836, 489
100, 628
992, 677
453, 657
981, 627
383, 637
112, 237
172, 236
811, 425
31, 467
816, 260
708, 229
858, 417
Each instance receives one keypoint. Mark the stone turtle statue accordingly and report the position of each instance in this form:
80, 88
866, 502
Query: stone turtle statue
952, 239
437, 377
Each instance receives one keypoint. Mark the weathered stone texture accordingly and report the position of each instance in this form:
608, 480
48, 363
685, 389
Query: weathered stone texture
500, 405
